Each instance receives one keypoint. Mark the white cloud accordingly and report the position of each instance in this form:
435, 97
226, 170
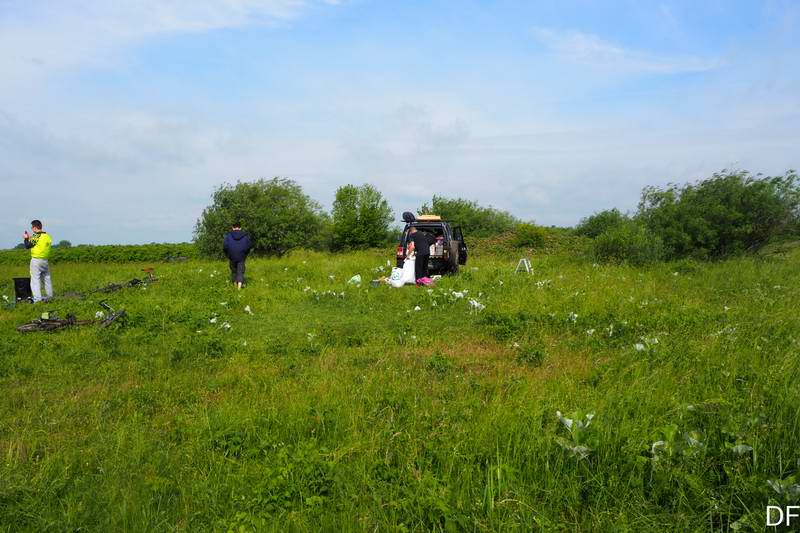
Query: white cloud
593, 51
52, 35
116, 175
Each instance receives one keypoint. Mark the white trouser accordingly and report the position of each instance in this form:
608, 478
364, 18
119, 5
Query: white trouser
40, 271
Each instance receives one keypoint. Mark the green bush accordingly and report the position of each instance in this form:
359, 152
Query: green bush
528, 235
276, 213
627, 243
476, 221
361, 218
600, 222
727, 214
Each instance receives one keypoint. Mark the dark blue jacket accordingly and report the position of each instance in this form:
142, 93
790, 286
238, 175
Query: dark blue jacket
237, 245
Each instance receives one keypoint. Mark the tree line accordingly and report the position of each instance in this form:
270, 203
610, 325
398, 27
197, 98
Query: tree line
733, 212
729, 213
279, 217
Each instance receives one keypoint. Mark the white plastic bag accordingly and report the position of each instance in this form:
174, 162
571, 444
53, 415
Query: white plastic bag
409, 277
396, 278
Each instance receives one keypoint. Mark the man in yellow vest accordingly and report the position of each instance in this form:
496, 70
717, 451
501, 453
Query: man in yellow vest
39, 243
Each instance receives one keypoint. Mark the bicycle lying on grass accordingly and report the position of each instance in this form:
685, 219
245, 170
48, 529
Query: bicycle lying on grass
50, 322
135, 282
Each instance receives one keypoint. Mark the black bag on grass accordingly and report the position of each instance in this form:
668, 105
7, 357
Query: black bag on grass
22, 289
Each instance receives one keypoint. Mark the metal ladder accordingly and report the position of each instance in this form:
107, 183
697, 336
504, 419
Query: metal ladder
524, 264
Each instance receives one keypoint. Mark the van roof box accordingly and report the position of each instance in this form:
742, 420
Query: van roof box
428, 218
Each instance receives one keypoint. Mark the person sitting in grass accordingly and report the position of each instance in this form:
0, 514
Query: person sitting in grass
39, 243
236, 247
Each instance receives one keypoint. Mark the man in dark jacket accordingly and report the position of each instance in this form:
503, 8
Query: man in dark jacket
236, 247
422, 246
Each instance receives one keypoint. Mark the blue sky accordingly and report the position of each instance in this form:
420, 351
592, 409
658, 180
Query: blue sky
117, 120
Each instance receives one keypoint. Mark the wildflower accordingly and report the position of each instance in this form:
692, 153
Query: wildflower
226, 325
693, 442
674, 273
223, 304
725, 308
213, 320
248, 310
5, 297
457, 294
590, 332
98, 315
639, 347
573, 317
307, 289
476, 306
657, 444
566, 421
417, 308
244, 343
741, 449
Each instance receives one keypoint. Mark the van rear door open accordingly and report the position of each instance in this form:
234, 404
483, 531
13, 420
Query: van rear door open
462, 246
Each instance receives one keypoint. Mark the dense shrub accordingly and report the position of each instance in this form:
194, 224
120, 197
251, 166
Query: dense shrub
627, 243
727, 214
276, 213
528, 235
601, 222
557, 241
361, 218
107, 254
476, 221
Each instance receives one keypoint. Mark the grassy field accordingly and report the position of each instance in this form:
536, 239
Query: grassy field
306, 403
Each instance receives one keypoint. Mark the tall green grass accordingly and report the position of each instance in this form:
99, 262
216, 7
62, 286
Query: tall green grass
330, 406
